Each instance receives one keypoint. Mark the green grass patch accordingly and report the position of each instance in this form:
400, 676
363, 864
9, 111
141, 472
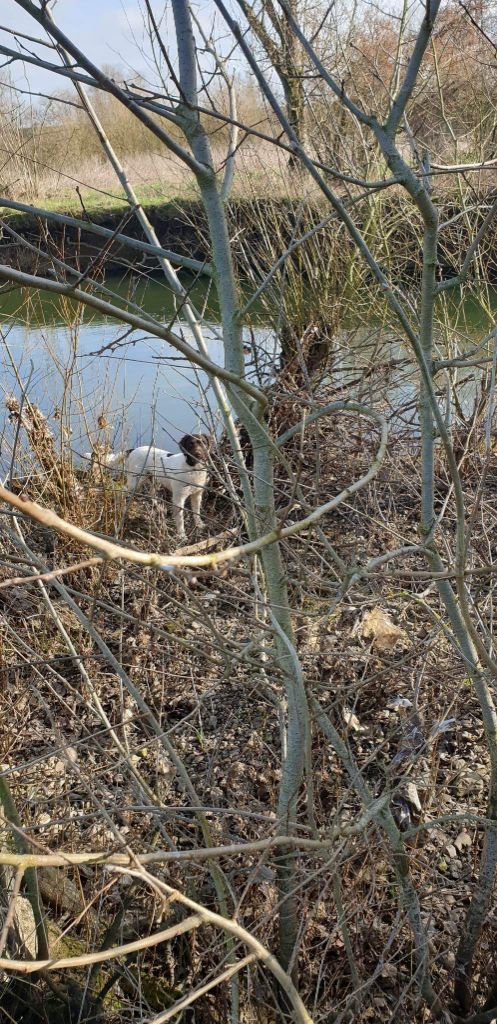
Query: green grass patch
98, 205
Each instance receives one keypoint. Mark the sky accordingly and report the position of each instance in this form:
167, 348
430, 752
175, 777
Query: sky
107, 30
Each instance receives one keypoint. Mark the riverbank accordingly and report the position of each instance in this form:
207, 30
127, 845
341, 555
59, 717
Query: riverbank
181, 226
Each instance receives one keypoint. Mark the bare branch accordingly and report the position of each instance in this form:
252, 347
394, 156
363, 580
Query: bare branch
85, 959
98, 229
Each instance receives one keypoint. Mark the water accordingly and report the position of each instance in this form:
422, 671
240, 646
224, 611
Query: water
376, 364
94, 381
81, 368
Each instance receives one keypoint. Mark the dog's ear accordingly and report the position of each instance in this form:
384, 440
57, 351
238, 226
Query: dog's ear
187, 446
207, 441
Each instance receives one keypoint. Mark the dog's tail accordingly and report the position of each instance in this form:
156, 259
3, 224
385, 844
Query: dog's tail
113, 459
109, 460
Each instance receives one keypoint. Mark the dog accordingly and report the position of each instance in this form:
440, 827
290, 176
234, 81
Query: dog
184, 474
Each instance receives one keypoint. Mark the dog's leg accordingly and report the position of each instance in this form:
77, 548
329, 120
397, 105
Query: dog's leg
195, 502
131, 483
178, 497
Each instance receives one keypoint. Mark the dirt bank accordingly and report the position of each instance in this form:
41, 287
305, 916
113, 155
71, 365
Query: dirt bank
181, 227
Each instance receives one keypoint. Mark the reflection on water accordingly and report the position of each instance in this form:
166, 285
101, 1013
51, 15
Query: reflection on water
376, 366
457, 393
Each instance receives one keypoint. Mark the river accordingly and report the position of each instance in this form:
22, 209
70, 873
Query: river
83, 370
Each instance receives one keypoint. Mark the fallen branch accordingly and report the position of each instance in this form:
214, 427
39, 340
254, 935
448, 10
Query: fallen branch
68, 859
30, 966
45, 577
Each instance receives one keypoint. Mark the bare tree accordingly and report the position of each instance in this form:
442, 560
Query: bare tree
270, 24
316, 846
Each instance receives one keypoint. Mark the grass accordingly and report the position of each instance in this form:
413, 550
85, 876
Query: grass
98, 204
92, 186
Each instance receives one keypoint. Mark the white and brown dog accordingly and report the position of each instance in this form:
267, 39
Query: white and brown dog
184, 475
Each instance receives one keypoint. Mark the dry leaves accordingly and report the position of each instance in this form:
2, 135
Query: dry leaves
378, 626
351, 720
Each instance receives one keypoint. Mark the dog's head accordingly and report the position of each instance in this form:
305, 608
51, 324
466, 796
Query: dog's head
196, 448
